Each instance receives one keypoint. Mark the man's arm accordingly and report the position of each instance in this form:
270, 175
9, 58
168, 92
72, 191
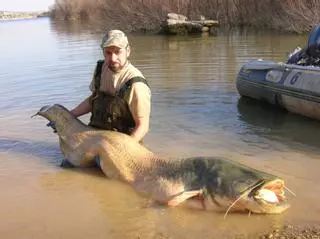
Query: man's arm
82, 109
141, 128
140, 107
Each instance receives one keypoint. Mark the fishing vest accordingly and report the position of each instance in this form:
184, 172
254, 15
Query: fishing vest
112, 112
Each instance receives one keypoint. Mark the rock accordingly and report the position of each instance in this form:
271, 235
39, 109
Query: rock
201, 18
205, 29
176, 16
177, 24
174, 21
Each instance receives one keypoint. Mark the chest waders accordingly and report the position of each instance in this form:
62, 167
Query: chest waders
112, 112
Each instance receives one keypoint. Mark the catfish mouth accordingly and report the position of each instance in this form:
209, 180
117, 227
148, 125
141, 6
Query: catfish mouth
263, 197
275, 187
41, 111
269, 197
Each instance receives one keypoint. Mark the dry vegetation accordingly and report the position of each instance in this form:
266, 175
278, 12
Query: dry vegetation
146, 15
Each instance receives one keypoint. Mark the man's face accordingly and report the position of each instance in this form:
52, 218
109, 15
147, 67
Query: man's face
116, 57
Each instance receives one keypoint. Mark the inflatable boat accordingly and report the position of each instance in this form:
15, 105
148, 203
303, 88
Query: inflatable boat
291, 86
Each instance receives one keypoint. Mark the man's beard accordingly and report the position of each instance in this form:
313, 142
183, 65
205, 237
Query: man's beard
116, 68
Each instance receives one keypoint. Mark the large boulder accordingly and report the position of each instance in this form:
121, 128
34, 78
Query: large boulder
176, 16
177, 24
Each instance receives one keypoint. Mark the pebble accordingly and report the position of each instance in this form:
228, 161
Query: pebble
293, 232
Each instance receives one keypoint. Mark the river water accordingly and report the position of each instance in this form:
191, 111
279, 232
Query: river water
196, 111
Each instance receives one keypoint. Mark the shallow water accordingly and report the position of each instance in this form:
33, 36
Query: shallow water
196, 110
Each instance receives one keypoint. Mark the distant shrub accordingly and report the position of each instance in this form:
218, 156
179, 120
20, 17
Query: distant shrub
146, 15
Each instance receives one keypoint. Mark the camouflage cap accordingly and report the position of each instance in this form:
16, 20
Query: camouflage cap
115, 38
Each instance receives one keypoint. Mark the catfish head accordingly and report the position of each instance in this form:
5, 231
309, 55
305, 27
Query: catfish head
262, 198
266, 196
50, 112
59, 116
241, 188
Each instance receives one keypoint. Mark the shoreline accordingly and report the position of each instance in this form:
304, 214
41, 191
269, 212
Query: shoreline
292, 231
15, 15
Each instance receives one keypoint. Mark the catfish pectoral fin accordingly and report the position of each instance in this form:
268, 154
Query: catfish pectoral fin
180, 198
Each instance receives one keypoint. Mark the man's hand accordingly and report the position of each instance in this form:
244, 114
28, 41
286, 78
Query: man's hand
52, 125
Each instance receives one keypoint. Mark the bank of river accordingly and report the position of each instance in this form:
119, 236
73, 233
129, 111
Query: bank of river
293, 232
10, 15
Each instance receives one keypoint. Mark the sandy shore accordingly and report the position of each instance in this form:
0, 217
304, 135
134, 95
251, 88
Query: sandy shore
293, 231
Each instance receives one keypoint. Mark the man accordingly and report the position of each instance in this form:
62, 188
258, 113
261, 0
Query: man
121, 97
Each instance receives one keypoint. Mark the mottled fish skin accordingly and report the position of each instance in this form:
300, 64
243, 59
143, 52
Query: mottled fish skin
199, 182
